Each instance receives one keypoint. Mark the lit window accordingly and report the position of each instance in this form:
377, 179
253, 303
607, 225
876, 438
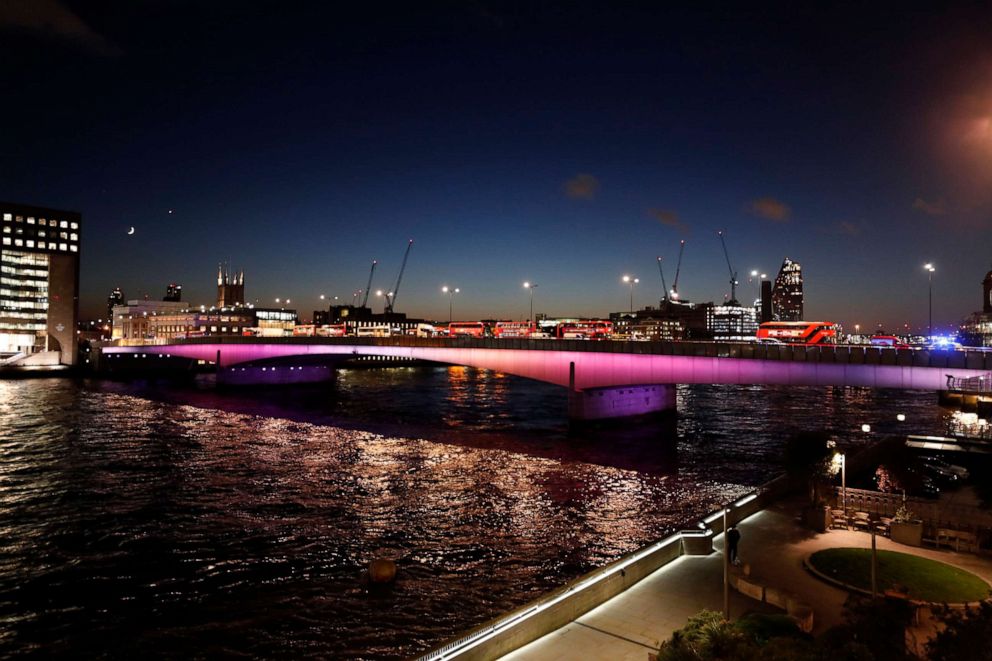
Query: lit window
74, 226
74, 237
30, 243
19, 219
52, 246
7, 216
63, 224
6, 229
63, 235
30, 220
41, 232
18, 242
74, 248
6, 240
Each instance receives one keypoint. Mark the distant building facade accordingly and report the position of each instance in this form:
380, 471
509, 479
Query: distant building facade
173, 293
787, 292
39, 280
115, 298
732, 323
977, 329
230, 288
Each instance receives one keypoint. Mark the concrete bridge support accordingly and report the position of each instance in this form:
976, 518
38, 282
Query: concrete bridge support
601, 404
256, 375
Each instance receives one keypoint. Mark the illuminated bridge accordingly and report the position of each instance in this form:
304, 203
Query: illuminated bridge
605, 378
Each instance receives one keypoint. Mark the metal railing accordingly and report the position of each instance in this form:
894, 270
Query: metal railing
974, 384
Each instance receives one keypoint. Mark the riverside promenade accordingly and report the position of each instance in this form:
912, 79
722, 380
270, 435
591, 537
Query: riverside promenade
635, 622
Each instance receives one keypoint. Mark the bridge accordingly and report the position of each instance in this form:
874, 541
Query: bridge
605, 378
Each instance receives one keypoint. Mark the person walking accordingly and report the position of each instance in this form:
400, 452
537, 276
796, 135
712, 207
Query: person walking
733, 538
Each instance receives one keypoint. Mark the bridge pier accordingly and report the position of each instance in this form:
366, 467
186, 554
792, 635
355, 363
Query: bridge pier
610, 403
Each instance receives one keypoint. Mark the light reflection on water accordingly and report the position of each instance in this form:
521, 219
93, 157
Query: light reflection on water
177, 519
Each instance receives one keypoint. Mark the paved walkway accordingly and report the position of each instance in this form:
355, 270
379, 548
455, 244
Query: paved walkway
634, 623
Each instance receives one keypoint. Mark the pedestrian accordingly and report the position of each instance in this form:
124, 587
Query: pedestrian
733, 537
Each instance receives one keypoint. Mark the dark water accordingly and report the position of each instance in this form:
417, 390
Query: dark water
178, 521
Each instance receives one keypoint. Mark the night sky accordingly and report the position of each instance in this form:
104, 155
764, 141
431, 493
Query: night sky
562, 143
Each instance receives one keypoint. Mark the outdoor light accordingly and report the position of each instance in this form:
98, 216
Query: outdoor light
866, 428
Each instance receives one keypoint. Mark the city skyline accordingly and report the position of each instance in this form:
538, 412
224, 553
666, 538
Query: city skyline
563, 148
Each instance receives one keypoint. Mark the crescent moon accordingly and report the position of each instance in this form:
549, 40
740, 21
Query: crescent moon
131, 231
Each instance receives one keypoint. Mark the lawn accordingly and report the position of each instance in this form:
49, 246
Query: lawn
920, 578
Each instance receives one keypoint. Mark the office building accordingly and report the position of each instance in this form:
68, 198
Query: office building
787, 293
39, 281
977, 329
115, 298
173, 293
732, 323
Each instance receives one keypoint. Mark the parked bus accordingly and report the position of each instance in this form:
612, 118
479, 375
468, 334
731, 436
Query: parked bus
304, 330
469, 328
586, 329
798, 332
514, 329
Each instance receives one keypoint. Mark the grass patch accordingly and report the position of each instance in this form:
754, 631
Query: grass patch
920, 578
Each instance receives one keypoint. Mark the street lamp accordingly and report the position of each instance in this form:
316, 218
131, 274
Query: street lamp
387, 295
631, 281
450, 292
930, 269
531, 286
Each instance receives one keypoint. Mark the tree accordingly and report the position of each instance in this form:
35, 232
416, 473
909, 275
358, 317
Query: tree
965, 637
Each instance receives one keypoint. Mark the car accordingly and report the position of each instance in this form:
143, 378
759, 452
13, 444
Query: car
937, 462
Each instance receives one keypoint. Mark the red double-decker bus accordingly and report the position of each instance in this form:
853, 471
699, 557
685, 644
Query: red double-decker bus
469, 328
514, 329
593, 329
798, 332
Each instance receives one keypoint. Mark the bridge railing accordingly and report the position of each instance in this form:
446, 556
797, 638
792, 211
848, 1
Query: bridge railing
829, 354
974, 384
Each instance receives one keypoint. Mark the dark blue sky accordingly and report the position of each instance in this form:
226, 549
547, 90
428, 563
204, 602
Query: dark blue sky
562, 143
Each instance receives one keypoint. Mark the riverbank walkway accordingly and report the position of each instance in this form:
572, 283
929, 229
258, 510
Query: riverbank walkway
634, 623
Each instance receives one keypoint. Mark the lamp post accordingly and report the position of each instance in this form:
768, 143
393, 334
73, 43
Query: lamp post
450, 292
531, 286
726, 569
631, 281
930, 269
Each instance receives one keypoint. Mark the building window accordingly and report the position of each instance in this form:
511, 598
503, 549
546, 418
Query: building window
6, 240
30, 243
7, 217
18, 242
74, 237
6, 229
30, 221
74, 248
64, 235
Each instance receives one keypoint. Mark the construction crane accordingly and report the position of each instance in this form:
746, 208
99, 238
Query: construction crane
368, 287
391, 301
733, 273
664, 287
675, 285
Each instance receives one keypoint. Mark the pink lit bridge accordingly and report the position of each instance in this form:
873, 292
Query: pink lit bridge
605, 379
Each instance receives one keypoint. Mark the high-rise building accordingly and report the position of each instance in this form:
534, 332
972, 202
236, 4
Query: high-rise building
39, 273
230, 288
116, 298
787, 293
173, 293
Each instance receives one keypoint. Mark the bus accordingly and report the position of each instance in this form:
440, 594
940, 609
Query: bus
887, 341
332, 330
304, 330
514, 329
469, 328
373, 331
798, 332
584, 329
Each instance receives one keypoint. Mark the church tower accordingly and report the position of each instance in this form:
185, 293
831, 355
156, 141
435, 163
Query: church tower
230, 288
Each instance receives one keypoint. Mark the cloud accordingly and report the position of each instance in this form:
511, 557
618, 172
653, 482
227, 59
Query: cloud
770, 209
582, 187
937, 208
668, 218
52, 19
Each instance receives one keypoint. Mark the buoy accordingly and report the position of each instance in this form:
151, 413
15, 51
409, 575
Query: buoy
382, 570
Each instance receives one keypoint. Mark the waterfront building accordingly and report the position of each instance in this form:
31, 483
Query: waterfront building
138, 319
731, 322
787, 292
977, 328
39, 281
173, 293
355, 317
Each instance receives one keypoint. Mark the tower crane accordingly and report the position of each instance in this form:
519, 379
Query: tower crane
675, 285
733, 273
664, 287
365, 299
399, 278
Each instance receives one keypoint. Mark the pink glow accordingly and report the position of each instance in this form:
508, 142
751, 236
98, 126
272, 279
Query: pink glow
593, 369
